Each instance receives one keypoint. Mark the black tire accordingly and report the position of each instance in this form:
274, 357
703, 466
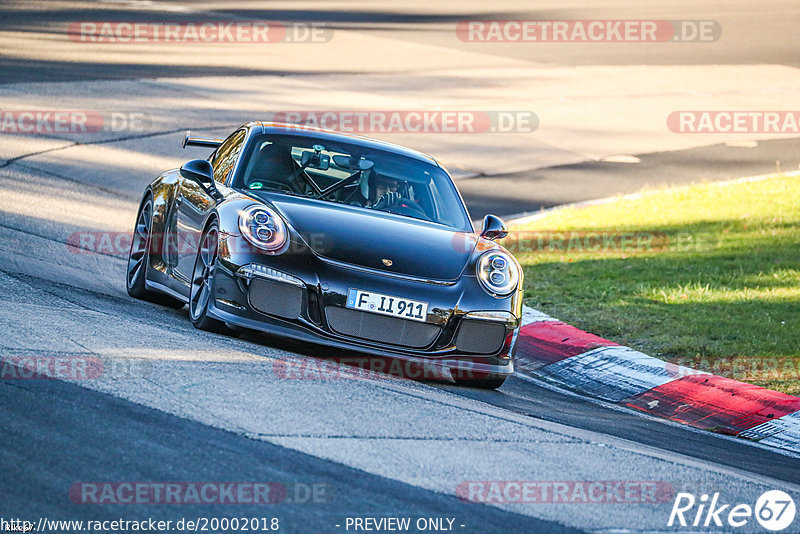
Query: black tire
488, 382
205, 265
139, 258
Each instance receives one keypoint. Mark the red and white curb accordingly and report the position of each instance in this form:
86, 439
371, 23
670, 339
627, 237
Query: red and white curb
569, 357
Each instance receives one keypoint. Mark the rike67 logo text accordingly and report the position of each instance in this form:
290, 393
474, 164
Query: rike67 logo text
774, 510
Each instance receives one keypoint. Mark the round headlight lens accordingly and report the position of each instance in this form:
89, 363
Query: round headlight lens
264, 234
498, 273
498, 263
263, 228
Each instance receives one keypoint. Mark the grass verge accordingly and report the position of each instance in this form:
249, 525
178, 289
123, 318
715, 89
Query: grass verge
706, 276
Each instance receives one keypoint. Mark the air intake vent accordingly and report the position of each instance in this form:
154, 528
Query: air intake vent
381, 328
276, 298
480, 337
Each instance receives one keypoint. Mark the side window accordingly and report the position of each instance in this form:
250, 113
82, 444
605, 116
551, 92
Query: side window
224, 159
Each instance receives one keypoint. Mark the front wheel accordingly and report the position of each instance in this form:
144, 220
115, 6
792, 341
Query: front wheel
200, 293
139, 259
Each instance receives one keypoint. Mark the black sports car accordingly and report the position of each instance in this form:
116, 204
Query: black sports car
330, 238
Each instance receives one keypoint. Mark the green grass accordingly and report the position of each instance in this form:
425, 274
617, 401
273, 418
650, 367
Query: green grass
714, 284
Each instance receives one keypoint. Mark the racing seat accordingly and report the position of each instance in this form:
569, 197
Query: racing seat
272, 165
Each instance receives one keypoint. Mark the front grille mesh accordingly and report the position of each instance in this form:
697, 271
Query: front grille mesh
381, 328
276, 298
480, 337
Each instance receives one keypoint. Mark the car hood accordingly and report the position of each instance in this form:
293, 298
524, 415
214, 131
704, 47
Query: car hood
366, 238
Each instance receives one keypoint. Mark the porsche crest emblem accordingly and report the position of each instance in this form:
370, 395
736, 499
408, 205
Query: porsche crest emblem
387, 262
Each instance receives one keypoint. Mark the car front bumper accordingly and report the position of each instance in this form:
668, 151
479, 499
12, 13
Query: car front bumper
299, 295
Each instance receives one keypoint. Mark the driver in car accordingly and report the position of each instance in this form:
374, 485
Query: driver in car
377, 191
388, 192
385, 192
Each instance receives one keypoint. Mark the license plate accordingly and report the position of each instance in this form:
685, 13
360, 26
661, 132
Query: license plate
368, 301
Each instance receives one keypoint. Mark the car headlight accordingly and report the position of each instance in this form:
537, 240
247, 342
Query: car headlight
263, 228
498, 273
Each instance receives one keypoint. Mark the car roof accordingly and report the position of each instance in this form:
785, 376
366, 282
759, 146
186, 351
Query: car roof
320, 133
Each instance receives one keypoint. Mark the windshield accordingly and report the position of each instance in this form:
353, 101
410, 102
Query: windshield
347, 173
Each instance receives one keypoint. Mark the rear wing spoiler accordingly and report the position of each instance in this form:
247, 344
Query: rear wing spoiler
200, 141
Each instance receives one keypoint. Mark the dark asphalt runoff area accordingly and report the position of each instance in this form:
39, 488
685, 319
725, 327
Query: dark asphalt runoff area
57, 434
519, 193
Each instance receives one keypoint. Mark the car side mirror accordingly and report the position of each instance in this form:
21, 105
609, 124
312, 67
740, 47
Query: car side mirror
493, 228
200, 171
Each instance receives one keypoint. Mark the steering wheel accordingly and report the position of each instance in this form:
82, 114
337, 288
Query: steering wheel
409, 208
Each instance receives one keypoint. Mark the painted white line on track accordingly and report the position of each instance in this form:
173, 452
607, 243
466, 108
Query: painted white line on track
783, 432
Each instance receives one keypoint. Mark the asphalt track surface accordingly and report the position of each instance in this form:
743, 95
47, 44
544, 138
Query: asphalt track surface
752, 35
210, 408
